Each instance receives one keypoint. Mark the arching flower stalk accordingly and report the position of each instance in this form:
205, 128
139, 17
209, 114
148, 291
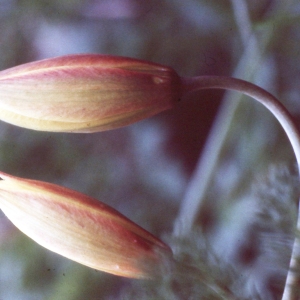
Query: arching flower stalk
89, 93
189, 85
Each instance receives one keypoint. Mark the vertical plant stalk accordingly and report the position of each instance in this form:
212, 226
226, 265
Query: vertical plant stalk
194, 197
291, 292
242, 20
252, 57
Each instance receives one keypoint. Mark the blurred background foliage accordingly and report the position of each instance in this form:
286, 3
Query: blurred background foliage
240, 235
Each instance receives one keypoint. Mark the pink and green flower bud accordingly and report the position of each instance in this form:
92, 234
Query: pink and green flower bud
81, 228
85, 93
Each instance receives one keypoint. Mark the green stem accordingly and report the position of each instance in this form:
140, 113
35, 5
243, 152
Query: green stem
291, 290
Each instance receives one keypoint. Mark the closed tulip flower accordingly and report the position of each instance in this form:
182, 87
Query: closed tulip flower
81, 228
85, 93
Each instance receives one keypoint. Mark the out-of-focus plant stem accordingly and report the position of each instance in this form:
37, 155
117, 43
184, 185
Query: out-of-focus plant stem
242, 19
246, 68
291, 289
198, 185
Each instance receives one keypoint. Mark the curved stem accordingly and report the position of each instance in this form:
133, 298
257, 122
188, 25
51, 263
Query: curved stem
291, 291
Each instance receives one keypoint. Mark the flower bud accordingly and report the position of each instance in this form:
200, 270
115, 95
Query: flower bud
81, 228
85, 93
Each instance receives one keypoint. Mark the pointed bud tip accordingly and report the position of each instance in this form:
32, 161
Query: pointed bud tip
81, 228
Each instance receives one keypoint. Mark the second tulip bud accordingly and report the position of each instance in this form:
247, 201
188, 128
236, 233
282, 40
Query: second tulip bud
81, 228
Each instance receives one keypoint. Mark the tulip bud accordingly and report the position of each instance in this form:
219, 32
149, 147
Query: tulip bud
85, 93
81, 228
